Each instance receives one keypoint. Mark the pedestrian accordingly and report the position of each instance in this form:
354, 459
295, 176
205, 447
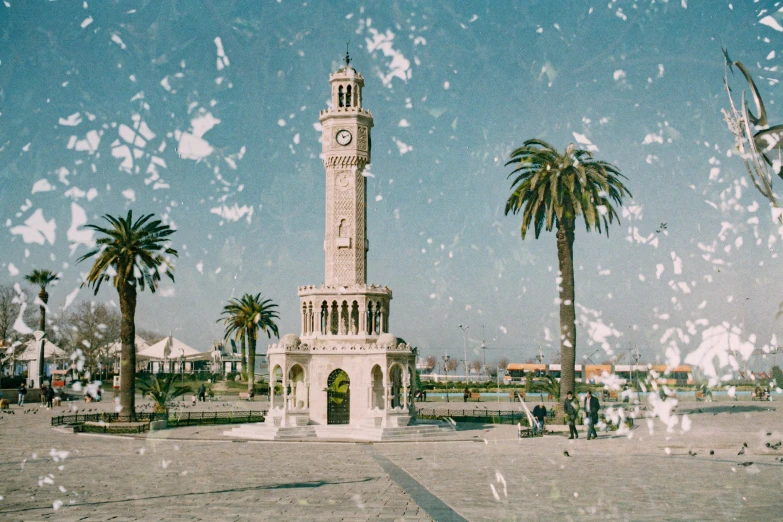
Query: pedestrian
49, 397
466, 394
43, 394
591, 414
202, 393
571, 409
539, 418
22, 392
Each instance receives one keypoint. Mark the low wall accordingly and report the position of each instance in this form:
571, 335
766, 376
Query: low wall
11, 395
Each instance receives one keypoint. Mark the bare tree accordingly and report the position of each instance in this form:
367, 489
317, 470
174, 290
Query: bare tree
150, 336
474, 366
92, 327
452, 364
11, 341
430, 362
503, 364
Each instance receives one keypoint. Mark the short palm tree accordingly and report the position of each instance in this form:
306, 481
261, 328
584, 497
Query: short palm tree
131, 254
544, 384
551, 190
162, 391
42, 279
243, 318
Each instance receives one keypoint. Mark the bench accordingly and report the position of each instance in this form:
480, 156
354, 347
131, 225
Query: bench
516, 396
757, 398
245, 396
699, 396
476, 396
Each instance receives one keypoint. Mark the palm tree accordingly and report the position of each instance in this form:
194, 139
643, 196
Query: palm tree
544, 384
162, 391
42, 278
244, 317
551, 189
131, 255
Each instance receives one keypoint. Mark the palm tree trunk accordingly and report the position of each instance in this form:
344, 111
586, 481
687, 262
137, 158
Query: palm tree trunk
44, 297
128, 360
251, 359
565, 258
243, 358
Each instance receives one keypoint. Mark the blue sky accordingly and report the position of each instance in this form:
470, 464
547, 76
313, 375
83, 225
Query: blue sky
224, 99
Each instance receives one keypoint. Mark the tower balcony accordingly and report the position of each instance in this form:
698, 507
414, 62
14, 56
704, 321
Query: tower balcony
352, 312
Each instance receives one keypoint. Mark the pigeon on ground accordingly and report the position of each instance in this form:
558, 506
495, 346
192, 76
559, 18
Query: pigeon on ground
712, 452
746, 464
776, 445
692, 454
741, 451
744, 444
566, 454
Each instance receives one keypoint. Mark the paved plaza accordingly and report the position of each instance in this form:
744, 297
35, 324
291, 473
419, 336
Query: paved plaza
484, 473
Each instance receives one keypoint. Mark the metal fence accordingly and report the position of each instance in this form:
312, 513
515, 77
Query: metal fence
195, 418
174, 419
108, 427
488, 416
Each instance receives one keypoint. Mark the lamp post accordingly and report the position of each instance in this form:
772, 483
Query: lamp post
465, 347
446, 371
483, 350
635, 374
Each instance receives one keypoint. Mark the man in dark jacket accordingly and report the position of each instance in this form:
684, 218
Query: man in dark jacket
22, 392
591, 415
539, 414
571, 408
49, 397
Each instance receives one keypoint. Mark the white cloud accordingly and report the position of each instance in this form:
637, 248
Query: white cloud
76, 234
36, 229
42, 185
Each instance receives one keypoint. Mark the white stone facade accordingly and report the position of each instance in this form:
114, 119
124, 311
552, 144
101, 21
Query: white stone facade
344, 367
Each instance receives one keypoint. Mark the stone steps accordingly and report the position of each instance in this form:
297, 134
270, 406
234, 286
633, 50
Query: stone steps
262, 431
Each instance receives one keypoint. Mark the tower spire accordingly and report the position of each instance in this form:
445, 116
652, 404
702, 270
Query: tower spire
347, 56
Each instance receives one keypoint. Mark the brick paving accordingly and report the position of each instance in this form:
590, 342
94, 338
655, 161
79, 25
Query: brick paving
197, 474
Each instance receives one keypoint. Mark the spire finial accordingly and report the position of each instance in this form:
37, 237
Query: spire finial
347, 56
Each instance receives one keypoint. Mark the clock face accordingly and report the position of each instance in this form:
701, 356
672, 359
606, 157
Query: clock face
343, 137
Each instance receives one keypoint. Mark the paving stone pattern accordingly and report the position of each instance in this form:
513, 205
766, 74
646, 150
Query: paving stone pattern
196, 473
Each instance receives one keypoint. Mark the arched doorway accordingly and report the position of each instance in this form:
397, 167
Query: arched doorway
338, 398
396, 386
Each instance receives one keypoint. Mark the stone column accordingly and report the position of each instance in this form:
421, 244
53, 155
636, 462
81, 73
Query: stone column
307, 395
285, 391
362, 321
385, 393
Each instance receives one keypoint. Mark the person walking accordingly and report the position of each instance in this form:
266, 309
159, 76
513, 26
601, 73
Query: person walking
22, 392
43, 394
202, 393
465, 394
571, 409
591, 414
49, 397
539, 416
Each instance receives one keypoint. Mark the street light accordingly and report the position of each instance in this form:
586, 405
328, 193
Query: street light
446, 371
465, 347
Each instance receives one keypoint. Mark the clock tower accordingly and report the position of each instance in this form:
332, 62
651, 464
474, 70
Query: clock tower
346, 147
344, 367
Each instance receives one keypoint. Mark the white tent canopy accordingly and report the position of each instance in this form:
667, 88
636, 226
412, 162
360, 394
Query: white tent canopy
32, 350
115, 348
172, 349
